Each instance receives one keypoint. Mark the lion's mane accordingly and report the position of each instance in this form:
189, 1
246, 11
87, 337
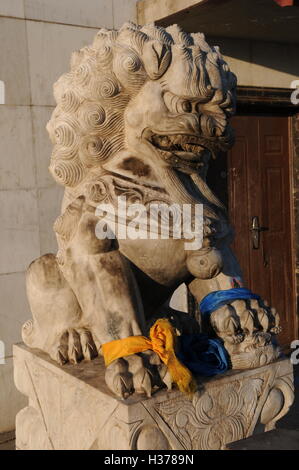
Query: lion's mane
87, 126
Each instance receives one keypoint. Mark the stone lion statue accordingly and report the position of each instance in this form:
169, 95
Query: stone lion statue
139, 115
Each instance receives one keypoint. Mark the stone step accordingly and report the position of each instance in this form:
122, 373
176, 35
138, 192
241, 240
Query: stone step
7, 441
278, 439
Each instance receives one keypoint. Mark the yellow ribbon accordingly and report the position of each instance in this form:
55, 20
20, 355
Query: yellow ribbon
162, 342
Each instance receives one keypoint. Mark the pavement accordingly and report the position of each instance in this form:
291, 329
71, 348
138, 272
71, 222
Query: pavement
7, 441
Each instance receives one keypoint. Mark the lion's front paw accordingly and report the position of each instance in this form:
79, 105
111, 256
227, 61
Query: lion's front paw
235, 339
247, 328
245, 325
137, 373
74, 345
276, 330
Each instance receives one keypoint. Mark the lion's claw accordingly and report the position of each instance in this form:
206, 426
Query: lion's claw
249, 324
74, 345
118, 379
138, 373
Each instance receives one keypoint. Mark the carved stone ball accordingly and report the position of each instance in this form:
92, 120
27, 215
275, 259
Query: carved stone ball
205, 263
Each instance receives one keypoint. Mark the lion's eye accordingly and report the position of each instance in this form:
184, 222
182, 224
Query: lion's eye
175, 104
186, 106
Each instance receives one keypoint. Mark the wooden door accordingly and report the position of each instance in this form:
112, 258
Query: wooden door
259, 185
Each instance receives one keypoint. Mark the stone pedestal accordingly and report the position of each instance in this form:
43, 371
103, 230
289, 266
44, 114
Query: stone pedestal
70, 407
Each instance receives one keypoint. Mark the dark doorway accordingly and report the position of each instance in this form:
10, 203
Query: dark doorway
254, 180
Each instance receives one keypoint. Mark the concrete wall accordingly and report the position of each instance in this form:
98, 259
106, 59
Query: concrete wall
37, 38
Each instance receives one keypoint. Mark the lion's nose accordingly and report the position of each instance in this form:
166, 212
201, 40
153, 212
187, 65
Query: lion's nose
191, 122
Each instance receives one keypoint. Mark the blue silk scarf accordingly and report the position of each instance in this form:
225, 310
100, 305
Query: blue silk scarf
202, 355
208, 356
217, 299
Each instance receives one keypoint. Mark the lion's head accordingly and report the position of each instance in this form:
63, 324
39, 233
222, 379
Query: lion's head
161, 93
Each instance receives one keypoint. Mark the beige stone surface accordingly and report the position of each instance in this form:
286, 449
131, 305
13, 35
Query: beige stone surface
93, 13
11, 400
51, 44
49, 203
17, 165
19, 230
14, 309
71, 408
12, 8
15, 73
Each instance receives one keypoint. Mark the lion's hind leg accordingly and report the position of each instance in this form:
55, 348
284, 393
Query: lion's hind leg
56, 327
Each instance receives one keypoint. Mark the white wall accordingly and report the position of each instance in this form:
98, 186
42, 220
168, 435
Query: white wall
37, 38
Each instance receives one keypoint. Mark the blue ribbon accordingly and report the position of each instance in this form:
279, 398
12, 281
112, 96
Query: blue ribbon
218, 298
208, 356
202, 355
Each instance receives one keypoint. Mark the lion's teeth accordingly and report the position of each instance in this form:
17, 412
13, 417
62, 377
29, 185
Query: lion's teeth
165, 141
179, 142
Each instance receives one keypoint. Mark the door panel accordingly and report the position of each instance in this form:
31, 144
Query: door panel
259, 185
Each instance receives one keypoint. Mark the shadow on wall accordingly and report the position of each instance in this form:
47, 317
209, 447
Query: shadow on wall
257, 32
276, 56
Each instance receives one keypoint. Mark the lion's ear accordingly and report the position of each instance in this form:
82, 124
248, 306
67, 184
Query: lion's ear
156, 59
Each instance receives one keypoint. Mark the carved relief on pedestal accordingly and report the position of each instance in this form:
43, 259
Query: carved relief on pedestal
210, 420
218, 417
229, 413
278, 402
71, 408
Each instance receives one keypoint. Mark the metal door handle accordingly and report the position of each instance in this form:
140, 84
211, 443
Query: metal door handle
255, 230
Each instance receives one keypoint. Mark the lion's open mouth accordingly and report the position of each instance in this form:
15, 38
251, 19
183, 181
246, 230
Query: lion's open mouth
181, 150
186, 146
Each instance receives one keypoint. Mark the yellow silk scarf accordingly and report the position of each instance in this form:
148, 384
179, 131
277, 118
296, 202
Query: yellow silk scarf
162, 342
